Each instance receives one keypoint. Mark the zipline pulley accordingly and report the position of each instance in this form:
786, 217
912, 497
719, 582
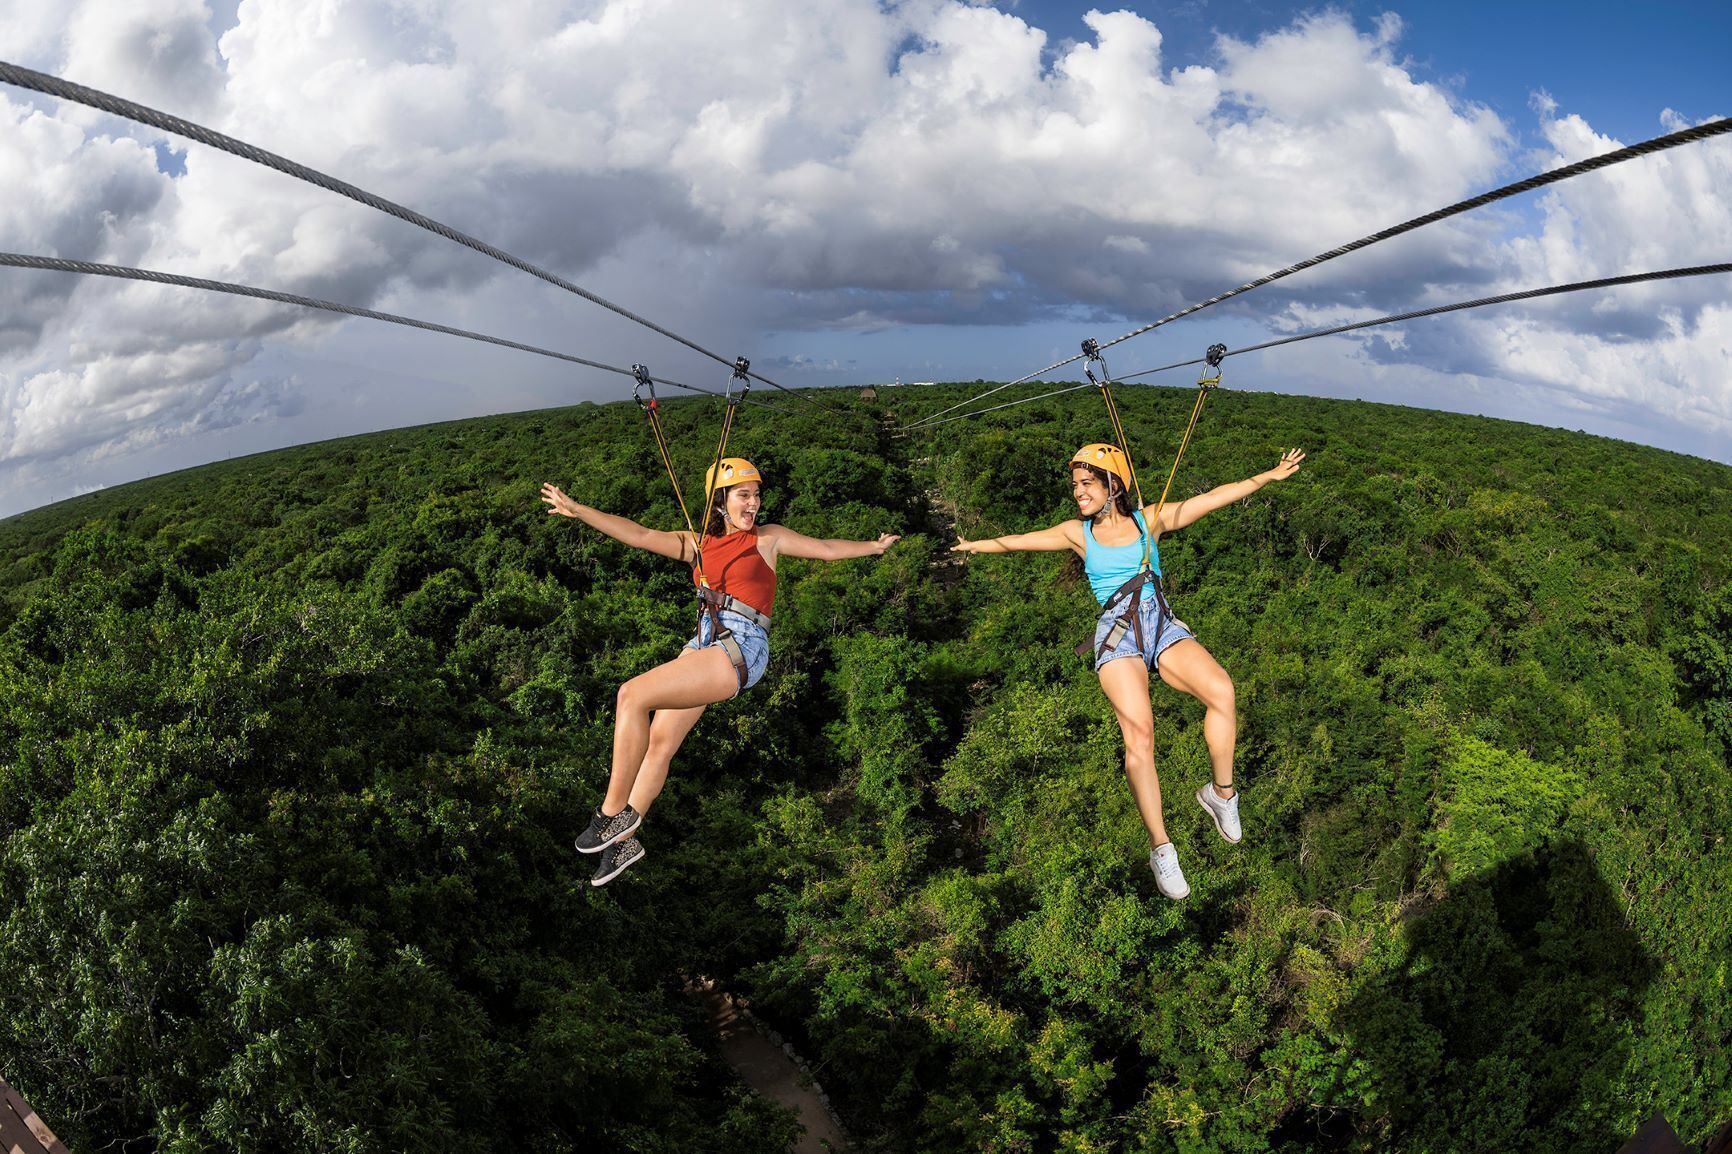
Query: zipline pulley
642, 382
1214, 357
1092, 351
742, 376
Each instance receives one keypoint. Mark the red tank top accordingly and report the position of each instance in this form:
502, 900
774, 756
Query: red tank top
735, 567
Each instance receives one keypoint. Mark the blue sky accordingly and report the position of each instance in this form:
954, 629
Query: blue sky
1616, 64
847, 193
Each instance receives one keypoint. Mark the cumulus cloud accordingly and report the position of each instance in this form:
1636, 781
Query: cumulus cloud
1662, 347
738, 166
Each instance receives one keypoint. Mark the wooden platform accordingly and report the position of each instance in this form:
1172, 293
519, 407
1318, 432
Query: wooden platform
21, 1131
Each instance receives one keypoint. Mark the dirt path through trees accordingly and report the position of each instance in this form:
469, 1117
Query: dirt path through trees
771, 1072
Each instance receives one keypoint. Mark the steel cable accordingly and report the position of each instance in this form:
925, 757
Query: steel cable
1538, 180
1415, 314
1395, 318
130, 110
151, 276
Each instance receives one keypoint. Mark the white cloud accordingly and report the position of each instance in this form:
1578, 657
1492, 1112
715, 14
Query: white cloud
733, 167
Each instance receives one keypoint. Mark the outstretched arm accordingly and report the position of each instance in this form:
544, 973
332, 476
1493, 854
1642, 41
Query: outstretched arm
676, 545
1067, 535
1181, 513
791, 544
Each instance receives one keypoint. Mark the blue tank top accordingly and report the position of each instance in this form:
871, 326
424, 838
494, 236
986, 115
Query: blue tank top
1109, 566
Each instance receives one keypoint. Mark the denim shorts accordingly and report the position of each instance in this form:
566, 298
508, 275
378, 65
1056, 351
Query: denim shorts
751, 637
1172, 629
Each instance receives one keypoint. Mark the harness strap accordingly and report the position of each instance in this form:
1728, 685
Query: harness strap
720, 601
736, 655
711, 604
1130, 618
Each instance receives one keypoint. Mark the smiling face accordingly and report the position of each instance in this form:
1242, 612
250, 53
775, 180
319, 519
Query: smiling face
1088, 488
741, 505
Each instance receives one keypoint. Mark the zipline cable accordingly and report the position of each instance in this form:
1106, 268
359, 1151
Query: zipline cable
130, 110
1395, 318
1506, 298
88, 268
1539, 180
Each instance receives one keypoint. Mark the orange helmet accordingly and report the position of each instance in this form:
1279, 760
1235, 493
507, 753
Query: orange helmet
735, 471
1108, 457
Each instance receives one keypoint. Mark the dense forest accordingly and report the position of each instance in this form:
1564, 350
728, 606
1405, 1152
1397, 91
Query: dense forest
293, 749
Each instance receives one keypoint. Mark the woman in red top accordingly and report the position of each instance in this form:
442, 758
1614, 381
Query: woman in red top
658, 708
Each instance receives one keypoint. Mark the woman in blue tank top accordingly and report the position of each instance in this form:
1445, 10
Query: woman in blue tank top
1123, 565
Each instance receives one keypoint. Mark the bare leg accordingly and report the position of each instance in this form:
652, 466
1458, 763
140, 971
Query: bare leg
1126, 682
697, 677
1189, 668
667, 731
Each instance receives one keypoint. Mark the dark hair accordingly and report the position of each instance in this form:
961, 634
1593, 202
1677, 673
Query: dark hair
1116, 491
718, 514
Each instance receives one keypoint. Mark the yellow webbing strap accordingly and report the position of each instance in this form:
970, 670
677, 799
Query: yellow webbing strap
1092, 351
652, 412
1196, 411
1204, 385
715, 469
741, 368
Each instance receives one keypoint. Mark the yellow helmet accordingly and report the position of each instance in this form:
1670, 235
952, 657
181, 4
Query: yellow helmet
1108, 457
735, 471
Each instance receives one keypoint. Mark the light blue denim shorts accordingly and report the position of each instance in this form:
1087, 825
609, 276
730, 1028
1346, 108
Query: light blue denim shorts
754, 642
1172, 629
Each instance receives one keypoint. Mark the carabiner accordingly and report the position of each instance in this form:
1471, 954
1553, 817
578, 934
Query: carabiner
642, 381
1092, 350
742, 374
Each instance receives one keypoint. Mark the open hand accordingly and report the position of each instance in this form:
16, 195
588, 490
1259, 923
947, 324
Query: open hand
962, 546
558, 502
1288, 466
885, 540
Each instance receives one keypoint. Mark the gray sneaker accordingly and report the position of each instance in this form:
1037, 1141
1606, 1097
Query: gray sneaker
616, 859
603, 831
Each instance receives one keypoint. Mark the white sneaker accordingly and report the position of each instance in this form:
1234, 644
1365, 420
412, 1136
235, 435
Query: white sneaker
1225, 813
1169, 878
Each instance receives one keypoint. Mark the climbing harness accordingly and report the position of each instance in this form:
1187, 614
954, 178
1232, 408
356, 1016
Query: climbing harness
1130, 594
1130, 619
711, 602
